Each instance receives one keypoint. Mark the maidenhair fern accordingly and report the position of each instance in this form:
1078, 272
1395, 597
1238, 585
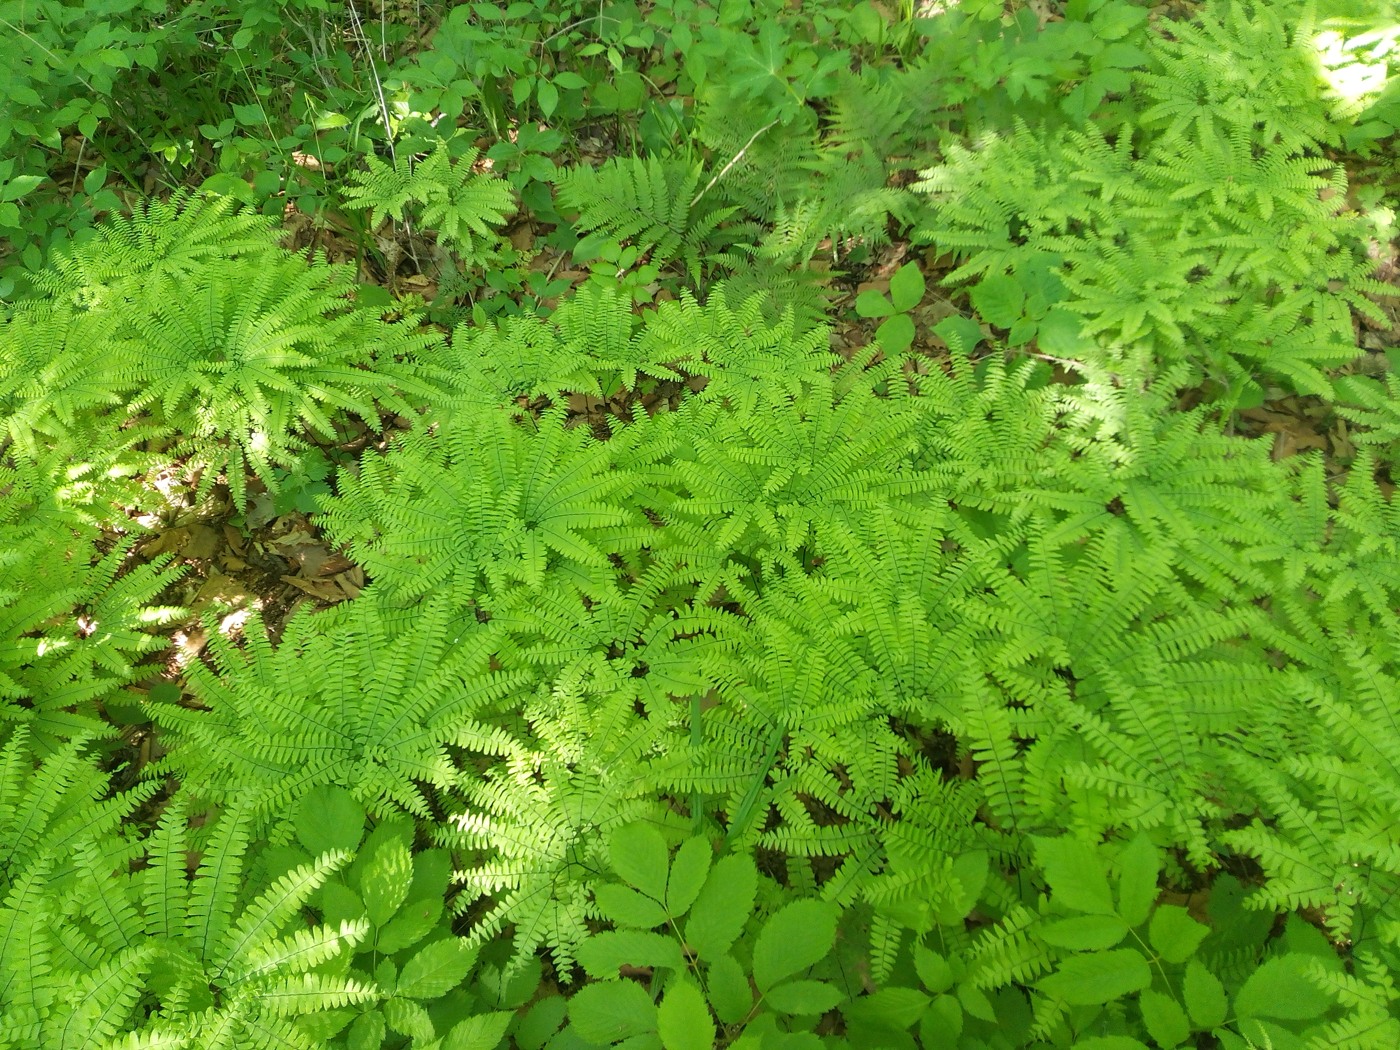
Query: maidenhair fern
73, 633
274, 723
233, 356
242, 361
170, 960
460, 205
159, 239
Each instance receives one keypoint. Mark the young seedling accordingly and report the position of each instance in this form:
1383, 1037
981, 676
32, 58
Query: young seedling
896, 332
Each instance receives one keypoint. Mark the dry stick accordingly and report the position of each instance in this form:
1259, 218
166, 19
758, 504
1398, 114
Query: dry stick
737, 157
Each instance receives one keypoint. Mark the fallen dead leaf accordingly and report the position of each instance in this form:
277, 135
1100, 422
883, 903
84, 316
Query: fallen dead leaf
323, 590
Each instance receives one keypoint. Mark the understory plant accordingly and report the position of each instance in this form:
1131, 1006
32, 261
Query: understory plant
719, 681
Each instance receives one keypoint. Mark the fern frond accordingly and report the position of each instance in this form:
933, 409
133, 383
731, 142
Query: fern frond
649, 203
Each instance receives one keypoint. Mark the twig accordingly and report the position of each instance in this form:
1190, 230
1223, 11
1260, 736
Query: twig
737, 157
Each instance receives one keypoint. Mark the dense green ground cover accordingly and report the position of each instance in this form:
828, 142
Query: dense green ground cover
823, 586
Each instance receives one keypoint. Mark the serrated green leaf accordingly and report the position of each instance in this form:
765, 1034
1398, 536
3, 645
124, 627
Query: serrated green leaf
638, 853
1098, 977
942, 1023
328, 818
432, 871
999, 300
19, 186
1022, 332
482, 1032
627, 907
723, 906
1084, 932
1138, 868
907, 287
604, 953
540, 1022
803, 997
688, 872
610, 1011
1281, 989
1163, 1018
339, 903
683, 1020
1110, 1042
975, 1003
1204, 995
367, 1032
408, 1017
933, 969
548, 96
730, 994
1075, 874
895, 1008
1174, 934
1120, 56
436, 969
384, 881
413, 921
1060, 333
797, 936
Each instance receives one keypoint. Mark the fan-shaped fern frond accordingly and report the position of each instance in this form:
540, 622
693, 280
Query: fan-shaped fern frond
455, 202
281, 721
160, 239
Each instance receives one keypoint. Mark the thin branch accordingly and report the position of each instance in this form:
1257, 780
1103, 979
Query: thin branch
735, 160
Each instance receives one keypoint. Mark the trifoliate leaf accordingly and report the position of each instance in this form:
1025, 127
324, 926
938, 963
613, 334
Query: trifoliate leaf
896, 335
871, 303
906, 287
